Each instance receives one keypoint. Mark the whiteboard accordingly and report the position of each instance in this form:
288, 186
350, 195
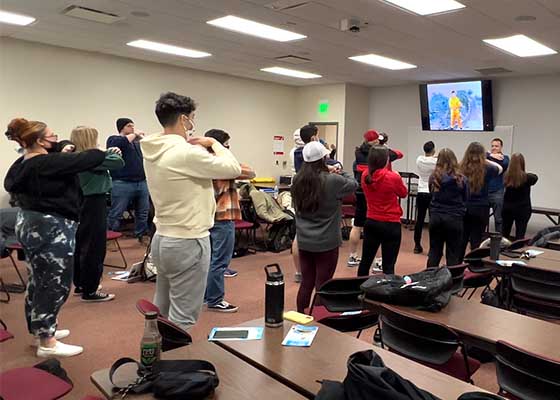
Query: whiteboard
456, 141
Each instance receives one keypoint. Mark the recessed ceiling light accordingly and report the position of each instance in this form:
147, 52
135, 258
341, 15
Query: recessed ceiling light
253, 28
167, 48
521, 46
291, 72
427, 7
15, 19
382, 62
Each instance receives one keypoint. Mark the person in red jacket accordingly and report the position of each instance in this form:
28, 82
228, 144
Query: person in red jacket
382, 189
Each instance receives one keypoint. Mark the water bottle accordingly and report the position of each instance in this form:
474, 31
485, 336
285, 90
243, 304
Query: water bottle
495, 245
274, 296
150, 345
275, 193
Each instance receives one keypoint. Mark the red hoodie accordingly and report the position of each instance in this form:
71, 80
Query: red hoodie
382, 195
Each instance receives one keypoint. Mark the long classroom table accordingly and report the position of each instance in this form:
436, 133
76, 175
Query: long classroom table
482, 326
301, 367
554, 244
238, 379
548, 262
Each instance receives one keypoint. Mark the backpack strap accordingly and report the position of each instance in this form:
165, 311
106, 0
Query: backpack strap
140, 384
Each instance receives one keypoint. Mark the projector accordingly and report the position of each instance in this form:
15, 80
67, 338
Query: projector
351, 25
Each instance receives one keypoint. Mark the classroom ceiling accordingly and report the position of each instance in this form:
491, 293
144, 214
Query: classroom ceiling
444, 46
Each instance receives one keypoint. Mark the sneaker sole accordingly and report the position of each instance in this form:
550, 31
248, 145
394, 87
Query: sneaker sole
108, 298
51, 355
222, 310
230, 276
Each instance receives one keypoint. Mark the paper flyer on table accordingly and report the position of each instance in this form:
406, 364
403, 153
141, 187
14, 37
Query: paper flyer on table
300, 336
505, 263
533, 253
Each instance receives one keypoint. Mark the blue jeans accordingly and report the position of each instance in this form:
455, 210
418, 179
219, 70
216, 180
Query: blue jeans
496, 200
222, 240
122, 194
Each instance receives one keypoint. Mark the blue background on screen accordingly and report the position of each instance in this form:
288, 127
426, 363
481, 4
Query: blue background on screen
470, 95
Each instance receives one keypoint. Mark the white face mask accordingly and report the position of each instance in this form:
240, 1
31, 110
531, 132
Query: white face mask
189, 132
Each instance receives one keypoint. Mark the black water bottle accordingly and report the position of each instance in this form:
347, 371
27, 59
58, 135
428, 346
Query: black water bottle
274, 296
495, 245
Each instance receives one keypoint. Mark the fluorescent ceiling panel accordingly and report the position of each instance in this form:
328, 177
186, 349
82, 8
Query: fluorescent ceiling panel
427, 7
253, 28
15, 19
382, 62
168, 49
521, 46
291, 72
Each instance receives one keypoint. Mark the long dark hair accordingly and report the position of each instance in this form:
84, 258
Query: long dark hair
308, 186
446, 164
515, 175
473, 166
378, 158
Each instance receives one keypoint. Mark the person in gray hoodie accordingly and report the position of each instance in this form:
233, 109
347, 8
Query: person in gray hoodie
317, 195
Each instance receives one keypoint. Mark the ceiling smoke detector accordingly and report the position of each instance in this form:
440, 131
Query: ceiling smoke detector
91, 15
353, 25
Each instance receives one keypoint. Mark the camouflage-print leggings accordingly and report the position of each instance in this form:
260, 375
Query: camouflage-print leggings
48, 243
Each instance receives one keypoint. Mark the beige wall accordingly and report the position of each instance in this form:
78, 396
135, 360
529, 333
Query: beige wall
356, 120
66, 88
529, 104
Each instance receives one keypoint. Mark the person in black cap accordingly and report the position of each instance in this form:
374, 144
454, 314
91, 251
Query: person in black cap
129, 183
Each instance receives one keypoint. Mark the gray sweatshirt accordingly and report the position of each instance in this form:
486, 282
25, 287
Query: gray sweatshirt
320, 231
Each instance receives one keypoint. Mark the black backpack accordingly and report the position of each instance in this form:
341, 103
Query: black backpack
281, 234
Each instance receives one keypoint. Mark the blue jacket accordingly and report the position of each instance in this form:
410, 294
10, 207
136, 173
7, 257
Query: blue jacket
497, 183
133, 170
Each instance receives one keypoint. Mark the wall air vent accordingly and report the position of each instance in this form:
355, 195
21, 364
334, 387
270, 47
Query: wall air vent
91, 15
283, 5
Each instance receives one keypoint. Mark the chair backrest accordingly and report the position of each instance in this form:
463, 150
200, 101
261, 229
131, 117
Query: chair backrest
145, 306
474, 260
342, 294
526, 375
416, 338
518, 244
457, 274
535, 291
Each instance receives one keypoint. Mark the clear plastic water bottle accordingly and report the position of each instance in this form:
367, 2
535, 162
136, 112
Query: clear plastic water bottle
275, 193
150, 345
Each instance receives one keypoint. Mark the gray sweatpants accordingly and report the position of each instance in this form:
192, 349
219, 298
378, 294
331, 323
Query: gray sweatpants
182, 266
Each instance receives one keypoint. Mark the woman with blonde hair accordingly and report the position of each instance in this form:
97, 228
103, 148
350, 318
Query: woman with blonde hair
448, 189
479, 171
517, 197
91, 243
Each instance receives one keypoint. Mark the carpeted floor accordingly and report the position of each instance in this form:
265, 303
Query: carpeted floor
112, 330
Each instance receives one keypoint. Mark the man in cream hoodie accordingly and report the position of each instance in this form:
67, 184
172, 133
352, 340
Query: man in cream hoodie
179, 170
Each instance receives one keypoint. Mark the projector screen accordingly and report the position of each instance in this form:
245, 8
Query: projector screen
457, 106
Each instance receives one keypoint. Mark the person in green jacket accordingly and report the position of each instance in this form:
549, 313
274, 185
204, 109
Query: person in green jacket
91, 242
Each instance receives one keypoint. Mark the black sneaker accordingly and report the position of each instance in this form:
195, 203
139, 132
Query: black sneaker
97, 297
223, 306
418, 249
78, 291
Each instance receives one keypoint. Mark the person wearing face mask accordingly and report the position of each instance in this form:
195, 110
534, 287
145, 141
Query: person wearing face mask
179, 171
129, 183
44, 183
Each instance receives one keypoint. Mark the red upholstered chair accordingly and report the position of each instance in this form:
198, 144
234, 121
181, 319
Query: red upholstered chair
31, 383
115, 236
250, 230
172, 335
525, 375
4, 334
348, 208
432, 344
478, 274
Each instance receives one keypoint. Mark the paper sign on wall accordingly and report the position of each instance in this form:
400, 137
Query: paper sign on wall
278, 145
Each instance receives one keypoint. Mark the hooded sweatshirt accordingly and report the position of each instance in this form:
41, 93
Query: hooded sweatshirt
179, 178
382, 195
450, 198
48, 183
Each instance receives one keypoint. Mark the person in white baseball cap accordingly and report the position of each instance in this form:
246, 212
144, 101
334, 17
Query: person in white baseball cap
317, 196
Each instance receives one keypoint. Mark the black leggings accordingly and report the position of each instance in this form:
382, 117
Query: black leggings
520, 216
422, 204
445, 230
386, 234
91, 243
474, 226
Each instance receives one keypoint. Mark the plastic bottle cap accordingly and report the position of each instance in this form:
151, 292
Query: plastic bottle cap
151, 315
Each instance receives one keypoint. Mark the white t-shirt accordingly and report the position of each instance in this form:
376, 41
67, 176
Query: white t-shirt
425, 166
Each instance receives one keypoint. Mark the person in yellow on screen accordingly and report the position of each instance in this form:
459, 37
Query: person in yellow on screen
455, 109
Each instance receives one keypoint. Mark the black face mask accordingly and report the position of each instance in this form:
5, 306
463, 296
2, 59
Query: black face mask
56, 147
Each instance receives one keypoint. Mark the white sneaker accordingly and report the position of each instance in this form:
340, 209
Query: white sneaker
353, 261
59, 350
58, 335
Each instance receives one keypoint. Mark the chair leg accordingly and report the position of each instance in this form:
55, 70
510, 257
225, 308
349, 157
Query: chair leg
5, 290
466, 360
359, 333
472, 293
463, 294
16, 287
122, 257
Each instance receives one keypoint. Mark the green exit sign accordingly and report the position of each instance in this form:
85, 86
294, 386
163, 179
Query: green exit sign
323, 107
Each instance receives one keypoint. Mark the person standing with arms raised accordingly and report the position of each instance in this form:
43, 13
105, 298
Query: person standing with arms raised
129, 183
179, 170
496, 184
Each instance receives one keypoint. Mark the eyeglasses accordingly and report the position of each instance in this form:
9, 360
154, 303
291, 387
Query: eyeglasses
51, 136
